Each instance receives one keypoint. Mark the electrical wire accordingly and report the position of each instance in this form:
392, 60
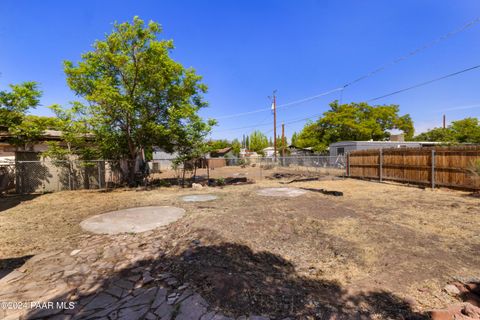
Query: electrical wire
424, 83
424, 47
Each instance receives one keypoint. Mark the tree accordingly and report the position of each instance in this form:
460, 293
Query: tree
236, 146
310, 137
354, 121
258, 141
137, 95
466, 130
437, 134
14, 104
462, 131
218, 144
294, 139
30, 129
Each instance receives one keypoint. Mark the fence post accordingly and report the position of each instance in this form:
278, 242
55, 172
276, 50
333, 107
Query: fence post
380, 169
99, 177
433, 168
348, 164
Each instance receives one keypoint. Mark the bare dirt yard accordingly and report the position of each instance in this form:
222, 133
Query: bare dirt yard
387, 250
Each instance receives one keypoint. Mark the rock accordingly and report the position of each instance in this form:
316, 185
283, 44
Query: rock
75, 252
471, 311
197, 186
132, 313
258, 318
208, 316
192, 308
12, 277
451, 290
147, 278
159, 298
146, 297
101, 301
164, 311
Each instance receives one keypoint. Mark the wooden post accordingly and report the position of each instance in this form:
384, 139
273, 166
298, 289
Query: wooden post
348, 164
433, 169
99, 178
380, 169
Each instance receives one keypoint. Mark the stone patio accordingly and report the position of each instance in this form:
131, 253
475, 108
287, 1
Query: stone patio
106, 277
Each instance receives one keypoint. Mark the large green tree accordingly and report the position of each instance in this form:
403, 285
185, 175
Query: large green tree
461, 131
14, 104
137, 95
354, 121
258, 141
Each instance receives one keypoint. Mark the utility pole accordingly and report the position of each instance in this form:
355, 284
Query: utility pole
444, 122
274, 107
283, 140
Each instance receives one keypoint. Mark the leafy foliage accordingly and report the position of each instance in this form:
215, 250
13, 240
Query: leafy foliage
14, 104
462, 131
354, 121
137, 95
258, 141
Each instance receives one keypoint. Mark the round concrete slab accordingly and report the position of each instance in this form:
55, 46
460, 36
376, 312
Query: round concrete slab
281, 192
132, 220
199, 197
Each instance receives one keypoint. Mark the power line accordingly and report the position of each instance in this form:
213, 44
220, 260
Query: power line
381, 97
424, 83
416, 51
366, 75
282, 105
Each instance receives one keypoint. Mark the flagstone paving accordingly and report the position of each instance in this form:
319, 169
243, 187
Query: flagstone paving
106, 277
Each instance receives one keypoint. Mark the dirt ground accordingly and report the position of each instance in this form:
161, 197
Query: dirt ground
259, 253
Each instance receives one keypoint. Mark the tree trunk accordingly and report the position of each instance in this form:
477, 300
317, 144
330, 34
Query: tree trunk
131, 171
208, 171
195, 171
183, 175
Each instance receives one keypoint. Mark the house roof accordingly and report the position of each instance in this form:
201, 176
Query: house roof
352, 142
48, 135
224, 150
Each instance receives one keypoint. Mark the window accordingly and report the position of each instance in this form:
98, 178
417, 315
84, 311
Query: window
340, 151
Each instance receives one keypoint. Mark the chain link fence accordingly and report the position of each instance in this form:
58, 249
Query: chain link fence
58, 175
51, 175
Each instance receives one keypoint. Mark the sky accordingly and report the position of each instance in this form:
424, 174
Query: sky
246, 49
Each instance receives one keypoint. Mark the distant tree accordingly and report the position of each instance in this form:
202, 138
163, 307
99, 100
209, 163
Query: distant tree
354, 121
14, 104
137, 95
236, 146
258, 141
310, 137
294, 139
466, 130
462, 131
31, 129
76, 136
437, 134
218, 144
247, 142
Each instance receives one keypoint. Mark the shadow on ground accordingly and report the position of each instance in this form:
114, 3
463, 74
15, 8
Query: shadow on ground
10, 264
236, 281
10, 201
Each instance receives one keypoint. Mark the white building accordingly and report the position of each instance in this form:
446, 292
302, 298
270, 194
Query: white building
344, 147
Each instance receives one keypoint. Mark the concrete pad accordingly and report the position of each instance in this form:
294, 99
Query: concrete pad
281, 192
199, 197
135, 220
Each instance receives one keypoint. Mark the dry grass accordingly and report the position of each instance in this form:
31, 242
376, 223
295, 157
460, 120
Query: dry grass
377, 236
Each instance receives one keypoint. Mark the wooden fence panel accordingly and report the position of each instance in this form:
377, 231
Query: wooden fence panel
447, 166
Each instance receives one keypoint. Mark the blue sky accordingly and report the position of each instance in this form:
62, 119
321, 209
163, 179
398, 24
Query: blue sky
245, 49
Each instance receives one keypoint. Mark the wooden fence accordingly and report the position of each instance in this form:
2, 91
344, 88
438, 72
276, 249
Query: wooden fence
438, 166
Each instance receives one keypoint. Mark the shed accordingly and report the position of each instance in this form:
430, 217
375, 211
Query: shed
343, 147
